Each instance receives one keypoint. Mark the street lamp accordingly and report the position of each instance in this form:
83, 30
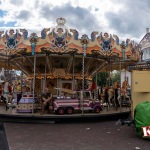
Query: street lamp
84, 42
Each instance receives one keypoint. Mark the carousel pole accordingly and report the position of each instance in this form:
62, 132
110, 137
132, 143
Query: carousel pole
120, 75
45, 72
11, 75
5, 74
96, 81
84, 42
21, 76
34, 84
33, 40
41, 85
109, 79
73, 86
123, 46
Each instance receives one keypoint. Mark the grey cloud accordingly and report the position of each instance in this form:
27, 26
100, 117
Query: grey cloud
96, 9
77, 17
24, 15
132, 19
16, 2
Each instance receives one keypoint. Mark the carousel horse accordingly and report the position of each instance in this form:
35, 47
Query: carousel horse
111, 95
7, 91
125, 86
124, 97
108, 95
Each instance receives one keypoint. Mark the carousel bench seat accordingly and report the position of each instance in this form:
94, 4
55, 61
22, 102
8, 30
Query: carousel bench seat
63, 97
27, 103
28, 96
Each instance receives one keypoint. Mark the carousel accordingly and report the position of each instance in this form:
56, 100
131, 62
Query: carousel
59, 59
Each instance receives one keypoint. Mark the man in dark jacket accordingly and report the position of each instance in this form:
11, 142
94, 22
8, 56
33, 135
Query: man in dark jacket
46, 100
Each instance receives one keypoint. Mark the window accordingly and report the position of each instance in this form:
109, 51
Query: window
77, 94
86, 95
146, 53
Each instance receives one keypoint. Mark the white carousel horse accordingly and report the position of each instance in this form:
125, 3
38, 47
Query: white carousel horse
109, 93
7, 97
111, 96
6, 91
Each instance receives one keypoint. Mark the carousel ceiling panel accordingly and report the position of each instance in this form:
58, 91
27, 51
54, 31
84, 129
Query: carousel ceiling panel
59, 61
77, 65
41, 64
23, 63
6, 65
19, 66
78, 61
95, 65
29, 69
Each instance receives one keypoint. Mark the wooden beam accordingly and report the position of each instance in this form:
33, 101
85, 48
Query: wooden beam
69, 64
88, 64
32, 64
104, 64
19, 67
49, 64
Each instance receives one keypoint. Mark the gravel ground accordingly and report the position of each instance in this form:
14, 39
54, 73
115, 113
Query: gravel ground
103, 135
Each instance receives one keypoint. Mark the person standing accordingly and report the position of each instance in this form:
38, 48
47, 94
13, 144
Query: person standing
93, 88
15, 90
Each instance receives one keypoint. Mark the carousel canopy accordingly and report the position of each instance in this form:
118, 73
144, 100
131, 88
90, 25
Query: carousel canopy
59, 52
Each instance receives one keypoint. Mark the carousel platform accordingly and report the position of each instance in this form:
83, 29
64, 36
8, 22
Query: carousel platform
11, 115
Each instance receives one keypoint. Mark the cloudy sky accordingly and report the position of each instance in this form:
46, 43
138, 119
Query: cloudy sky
125, 18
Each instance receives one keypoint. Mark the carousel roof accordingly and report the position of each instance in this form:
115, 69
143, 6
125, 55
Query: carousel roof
59, 51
